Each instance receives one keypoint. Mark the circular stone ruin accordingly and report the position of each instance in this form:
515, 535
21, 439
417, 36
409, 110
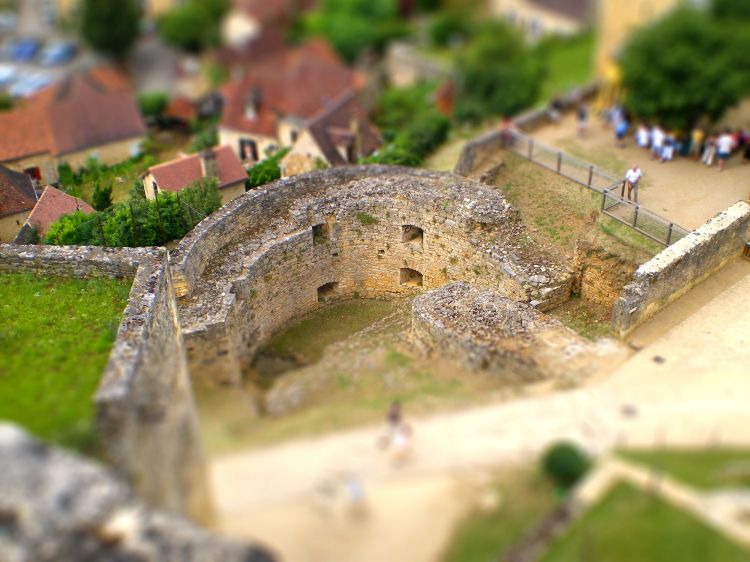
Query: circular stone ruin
369, 231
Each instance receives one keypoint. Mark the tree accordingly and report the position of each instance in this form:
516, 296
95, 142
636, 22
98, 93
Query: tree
497, 74
682, 68
152, 104
102, 198
354, 26
195, 25
265, 171
110, 26
737, 10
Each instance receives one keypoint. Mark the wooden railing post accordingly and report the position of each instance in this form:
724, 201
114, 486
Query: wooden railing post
669, 233
591, 174
635, 216
559, 161
531, 149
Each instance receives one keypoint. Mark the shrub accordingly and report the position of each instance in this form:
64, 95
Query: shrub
447, 26
565, 464
102, 197
265, 171
152, 104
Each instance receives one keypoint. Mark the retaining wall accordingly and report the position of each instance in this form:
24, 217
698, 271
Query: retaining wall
145, 414
681, 266
265, 264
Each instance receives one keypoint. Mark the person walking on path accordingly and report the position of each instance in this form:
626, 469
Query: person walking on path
709, 151
632, 177
724, 146
657, 141
621, 129
696, 143
581, 118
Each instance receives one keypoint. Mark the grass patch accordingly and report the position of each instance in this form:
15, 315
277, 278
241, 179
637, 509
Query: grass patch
570, 63
589, 319
703, 468
628, 525
525, 498
56, 335
366, 218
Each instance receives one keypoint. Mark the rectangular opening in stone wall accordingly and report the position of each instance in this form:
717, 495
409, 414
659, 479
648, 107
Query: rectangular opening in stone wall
412, 234
410, 277
321, 233
328, 291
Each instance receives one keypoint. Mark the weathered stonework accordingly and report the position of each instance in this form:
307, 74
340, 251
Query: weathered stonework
371, 231
486, 331
145, 414
57, 507
600, 274
678, 268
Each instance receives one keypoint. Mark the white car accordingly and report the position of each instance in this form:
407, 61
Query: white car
8, 74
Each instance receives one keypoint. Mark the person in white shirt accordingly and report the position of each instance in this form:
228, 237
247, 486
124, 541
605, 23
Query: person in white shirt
657, 141
642, 136
632, 177
724, 147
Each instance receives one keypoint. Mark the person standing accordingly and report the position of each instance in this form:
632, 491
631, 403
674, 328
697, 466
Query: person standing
642, 136
621, 129
724, 146
696, 143
657, 141
632, 177
709, 151
582, 116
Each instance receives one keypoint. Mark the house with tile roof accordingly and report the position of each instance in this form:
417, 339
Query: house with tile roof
90, 114
275, 99
220, 163
247, 19
52, 204
337, 135
17, 199
536, 18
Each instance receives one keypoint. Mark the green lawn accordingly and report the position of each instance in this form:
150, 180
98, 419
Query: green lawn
703, 468
56, 335
569, 63
631, 526
525, 498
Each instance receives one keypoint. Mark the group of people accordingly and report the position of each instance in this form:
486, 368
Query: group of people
665, 145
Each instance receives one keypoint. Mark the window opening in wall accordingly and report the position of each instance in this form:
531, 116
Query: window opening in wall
412, 234
410, 277
381, 252
321, 233
328, 291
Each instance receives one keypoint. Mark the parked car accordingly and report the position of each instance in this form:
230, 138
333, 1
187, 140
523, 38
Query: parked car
23, 50
30, 84
57, 53
8, 74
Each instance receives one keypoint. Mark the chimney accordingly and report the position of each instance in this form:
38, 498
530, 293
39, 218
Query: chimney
209, 168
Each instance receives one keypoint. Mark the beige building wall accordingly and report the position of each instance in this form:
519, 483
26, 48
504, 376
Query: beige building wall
109, 154
44, 161
616, 20
231, 192
10, 225
533, 20
287, 129
148, 187
302, 156
232, 138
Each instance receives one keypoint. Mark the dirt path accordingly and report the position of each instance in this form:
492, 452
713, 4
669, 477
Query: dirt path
688, 386
682, 190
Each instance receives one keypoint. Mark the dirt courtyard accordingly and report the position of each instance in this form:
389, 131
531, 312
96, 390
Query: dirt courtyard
684, 191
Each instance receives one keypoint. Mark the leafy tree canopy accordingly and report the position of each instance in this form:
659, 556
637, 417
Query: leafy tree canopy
353, 26
731, 9
497, 72
682, 68
195, 25
265, 171
102, 197
110, 26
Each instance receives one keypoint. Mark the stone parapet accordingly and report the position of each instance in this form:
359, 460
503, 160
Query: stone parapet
681, 266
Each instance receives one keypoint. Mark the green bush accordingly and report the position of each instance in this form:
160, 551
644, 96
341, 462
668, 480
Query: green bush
265, 171
565, 464
102, 198
139, 222
194, 25
447, 26
152, 104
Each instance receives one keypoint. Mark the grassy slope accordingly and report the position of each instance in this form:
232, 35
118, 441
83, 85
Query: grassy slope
570, 63
704, 468
525, 498
55, 335
628, 526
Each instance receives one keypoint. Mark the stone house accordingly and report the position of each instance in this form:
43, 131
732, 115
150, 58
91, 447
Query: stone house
220, 163
52, 204
151, 8
337, 135
90, 114
271, 103
536, 18
17, 198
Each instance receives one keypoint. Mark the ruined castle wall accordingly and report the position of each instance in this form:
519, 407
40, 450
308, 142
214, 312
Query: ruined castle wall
601, 274
366, 237
681, 266
145, 414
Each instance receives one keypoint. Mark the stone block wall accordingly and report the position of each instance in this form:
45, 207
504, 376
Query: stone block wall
681, 266
601, 274
145, 414
374, 232
62, 508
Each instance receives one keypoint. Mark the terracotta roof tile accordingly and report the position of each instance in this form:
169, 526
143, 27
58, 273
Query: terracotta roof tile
16, 192
86, 110
297, 83
180, 173
53, 204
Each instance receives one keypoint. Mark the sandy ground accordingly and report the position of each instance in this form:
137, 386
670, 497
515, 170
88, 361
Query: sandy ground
688, 385
684, 191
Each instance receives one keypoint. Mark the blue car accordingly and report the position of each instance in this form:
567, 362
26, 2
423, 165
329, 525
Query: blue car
23, 50
58, 53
